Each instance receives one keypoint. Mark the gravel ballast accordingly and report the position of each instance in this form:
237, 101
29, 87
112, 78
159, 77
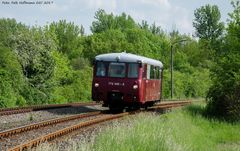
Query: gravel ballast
15, 120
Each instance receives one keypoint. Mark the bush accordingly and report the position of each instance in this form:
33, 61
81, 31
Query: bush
70, 85
11, 78
187, 85
224, 96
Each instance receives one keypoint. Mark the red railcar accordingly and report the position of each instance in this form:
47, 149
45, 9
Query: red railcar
126, 80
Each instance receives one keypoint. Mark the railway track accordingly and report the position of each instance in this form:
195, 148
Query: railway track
29, 127
167, 105
62, 126
17, 110
19, 135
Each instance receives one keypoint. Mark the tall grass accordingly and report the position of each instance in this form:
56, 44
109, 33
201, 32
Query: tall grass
184, 129
180, 130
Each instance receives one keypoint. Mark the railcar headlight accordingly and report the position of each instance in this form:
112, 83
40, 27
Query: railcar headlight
96, 85
135, 86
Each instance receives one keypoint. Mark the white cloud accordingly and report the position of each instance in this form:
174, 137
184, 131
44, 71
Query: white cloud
137, 15
182, 19
185, 25
7, 15
110, 5
161, 3
81, 5
162, 12
55, 7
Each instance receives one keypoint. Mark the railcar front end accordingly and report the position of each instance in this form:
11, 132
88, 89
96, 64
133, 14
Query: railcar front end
120, 80
117, 84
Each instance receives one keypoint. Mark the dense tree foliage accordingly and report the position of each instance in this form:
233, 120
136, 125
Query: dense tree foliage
35, 69
207, 23
9, 27
224, 96
109, 21
66, 35
11, 79
209, 29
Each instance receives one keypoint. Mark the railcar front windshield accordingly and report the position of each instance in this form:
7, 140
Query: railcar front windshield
101, 69
117, 70
133, 70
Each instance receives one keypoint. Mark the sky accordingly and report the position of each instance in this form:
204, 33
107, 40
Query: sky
169, 14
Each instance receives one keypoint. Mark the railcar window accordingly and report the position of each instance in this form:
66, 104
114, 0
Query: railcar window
101, 69
152, 72
117, 70
158, 73
148, 71
133, 70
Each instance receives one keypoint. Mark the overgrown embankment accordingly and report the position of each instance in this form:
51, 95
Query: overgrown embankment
184, 129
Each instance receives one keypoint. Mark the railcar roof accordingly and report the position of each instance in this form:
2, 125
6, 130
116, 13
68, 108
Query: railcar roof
127, 57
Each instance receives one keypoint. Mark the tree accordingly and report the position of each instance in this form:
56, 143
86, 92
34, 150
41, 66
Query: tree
11, 79
223, 95
33, 49
207, 24
156, 30
9, 27
106, 21
144, 25
67, 37
104, 42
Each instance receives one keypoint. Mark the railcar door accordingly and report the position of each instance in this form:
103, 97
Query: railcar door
152, 83
158, 89
148, 84
143, 76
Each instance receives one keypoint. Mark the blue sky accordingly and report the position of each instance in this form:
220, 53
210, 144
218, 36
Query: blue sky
169, 14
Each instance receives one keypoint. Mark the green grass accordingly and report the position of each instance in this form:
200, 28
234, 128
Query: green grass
179, 130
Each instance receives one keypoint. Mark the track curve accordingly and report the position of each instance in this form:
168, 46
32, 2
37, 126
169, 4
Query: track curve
93, 121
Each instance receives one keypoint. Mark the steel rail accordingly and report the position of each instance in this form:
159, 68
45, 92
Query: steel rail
173, 102
64, 131
29, 127
9, 111
169, 105
32, 107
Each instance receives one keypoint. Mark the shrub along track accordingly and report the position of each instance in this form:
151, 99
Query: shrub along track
46, 131
9, 111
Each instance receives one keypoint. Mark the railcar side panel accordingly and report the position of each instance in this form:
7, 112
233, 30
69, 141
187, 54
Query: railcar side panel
152, 86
